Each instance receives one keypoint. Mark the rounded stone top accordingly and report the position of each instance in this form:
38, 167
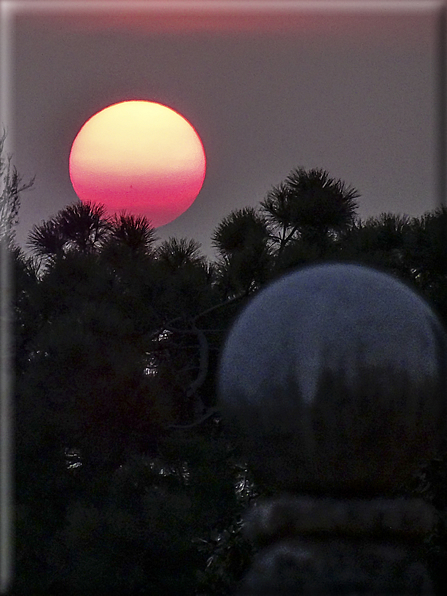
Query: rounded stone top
333, 379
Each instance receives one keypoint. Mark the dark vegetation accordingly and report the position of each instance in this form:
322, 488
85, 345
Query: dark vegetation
126, 481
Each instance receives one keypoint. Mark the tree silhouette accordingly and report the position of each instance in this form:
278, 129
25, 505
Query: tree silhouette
309, 204
123, 461
380, 241
46, 240
176, 253
135, 232
426, 256
11, 185
242, 243
81, 227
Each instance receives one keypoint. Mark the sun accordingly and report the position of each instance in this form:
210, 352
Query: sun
140, 157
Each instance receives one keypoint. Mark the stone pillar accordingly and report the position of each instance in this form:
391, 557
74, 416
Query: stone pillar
333, 382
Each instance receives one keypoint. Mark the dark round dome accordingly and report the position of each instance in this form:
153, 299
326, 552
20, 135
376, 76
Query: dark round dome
333, 378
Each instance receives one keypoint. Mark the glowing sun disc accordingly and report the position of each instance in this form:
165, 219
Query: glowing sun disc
140, 157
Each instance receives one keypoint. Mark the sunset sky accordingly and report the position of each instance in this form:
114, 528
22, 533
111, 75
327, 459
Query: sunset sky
269, 86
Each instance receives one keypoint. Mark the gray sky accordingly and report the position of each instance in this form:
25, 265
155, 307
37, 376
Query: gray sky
268, 87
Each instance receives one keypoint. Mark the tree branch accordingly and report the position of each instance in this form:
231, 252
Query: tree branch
168, 326
203, 362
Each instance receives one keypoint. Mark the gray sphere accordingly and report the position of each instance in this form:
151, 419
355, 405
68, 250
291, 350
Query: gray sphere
333, 380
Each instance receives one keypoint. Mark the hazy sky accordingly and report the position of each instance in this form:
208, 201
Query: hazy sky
348, 87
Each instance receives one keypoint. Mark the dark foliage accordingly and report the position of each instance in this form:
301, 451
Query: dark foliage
127, 481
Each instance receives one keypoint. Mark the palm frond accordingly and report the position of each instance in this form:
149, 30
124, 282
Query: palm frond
46, 239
